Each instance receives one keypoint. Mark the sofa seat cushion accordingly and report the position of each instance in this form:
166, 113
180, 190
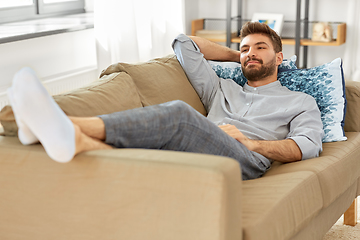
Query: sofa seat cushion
160, 80
337, 168
276, 207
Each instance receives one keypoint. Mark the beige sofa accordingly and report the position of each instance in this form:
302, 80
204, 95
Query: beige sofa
156, 194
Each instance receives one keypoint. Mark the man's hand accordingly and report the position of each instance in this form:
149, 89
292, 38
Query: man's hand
233, 132
282, 150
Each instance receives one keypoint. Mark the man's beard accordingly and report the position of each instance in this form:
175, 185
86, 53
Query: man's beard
255, 74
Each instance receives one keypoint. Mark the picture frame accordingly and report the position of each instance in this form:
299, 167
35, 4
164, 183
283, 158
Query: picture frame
273, 20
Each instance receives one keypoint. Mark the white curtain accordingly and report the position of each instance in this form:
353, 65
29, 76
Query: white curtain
352, 52
136, 30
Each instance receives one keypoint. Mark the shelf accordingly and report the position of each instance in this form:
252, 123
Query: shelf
340, 39
198, 25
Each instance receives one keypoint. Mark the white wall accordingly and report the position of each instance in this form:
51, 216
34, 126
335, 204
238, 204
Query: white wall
69, 56
191, 12
320, 10
89, 5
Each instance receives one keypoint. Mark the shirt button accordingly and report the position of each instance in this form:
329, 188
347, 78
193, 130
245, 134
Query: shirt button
247, 104
254, 89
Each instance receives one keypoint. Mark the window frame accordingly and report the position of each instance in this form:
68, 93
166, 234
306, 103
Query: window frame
77, 6
12, 14
40, 10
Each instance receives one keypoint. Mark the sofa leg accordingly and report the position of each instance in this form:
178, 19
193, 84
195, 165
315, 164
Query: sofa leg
350, 216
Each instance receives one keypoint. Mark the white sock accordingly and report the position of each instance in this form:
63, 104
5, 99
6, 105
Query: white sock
38, 110
25, 135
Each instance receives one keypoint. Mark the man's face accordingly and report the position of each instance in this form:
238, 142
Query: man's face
258, 58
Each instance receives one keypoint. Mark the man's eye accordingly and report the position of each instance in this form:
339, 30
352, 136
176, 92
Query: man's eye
244, 50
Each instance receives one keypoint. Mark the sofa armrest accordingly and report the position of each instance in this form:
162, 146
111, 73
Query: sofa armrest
119, 194
352, 123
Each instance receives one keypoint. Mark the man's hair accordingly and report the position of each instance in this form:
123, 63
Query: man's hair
261, 28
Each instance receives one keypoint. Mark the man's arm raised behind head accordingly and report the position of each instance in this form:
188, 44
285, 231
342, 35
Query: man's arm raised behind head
216, 52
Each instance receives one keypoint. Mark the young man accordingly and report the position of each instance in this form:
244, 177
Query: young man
255, 124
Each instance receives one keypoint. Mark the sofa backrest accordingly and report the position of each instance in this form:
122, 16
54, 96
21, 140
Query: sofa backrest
352, 116
160, 80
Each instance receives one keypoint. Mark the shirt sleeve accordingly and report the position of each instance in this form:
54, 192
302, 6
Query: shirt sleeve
306, 129
199, 72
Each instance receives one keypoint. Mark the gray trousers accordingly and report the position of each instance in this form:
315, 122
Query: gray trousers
177, 126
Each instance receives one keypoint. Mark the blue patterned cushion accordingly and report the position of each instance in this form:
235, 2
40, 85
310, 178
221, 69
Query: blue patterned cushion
288, 63
325, 83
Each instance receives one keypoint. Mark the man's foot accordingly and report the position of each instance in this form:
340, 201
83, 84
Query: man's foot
25, 135
45, 119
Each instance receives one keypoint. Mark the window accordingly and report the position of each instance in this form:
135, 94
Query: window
15, 3
57, 6
16, 10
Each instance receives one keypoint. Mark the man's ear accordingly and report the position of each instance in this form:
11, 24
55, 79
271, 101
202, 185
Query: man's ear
279, 58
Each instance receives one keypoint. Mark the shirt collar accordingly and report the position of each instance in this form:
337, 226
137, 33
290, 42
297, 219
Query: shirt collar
275, 84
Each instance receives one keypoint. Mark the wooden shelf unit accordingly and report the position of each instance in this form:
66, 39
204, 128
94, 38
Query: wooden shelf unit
198, 24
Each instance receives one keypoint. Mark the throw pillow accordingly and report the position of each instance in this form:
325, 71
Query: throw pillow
325, 83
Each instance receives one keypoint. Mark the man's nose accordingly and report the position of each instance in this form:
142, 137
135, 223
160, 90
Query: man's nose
252, 52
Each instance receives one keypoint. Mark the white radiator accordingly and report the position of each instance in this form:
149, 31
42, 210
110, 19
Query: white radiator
60, 84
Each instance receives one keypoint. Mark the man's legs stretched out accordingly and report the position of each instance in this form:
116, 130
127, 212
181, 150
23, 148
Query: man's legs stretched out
177, 126
170, 126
